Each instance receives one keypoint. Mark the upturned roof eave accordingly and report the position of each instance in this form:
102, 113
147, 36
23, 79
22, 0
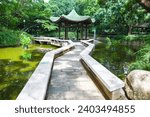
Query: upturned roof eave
72, 17
63, 18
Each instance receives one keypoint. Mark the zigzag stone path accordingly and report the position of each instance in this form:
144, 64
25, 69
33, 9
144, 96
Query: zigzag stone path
69, 80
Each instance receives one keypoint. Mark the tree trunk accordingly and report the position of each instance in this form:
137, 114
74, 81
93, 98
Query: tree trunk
130, 30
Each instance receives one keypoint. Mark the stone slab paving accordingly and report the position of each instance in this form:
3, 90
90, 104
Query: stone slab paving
69, 80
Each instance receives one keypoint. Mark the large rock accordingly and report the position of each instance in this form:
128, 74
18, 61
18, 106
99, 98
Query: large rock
44, 50
137, 85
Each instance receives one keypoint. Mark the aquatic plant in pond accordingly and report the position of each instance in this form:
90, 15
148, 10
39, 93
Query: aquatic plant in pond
26, 55
14, 71
25, 40
115, 57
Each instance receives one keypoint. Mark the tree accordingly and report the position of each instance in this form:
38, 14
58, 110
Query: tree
35, 12
22, 14
86, 7
11, 13
60, 7
119, 15
111, 15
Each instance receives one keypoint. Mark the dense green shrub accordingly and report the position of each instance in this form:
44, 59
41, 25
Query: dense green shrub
108, 41
14, 38
72, 35
25, 40
9, 38
142, 55
142, 59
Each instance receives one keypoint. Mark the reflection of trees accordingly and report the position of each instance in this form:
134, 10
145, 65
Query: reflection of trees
115, 58
14, 74
12, 79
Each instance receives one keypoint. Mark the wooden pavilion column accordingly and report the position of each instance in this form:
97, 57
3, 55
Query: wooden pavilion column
66, 32
81, 32
86, 32
77, 33
77, 28
59, 30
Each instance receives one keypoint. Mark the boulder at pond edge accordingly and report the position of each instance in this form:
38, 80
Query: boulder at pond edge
137, 85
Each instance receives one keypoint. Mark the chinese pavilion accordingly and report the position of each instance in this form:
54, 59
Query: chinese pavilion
75, 22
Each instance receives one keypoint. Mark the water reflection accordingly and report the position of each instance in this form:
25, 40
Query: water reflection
115, 57
14, 71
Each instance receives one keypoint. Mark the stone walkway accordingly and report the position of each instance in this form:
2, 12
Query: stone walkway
69, 80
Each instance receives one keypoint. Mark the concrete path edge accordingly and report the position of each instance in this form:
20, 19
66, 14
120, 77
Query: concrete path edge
36, 86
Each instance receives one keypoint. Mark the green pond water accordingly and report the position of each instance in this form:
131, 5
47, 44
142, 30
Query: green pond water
14, 71
115, 57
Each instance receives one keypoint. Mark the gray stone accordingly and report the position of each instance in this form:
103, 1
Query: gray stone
137, 85
43, 50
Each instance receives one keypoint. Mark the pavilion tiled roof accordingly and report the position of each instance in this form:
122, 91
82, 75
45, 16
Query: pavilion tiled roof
72, 17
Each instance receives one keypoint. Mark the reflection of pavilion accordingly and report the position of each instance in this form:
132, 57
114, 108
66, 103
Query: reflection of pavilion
73, 21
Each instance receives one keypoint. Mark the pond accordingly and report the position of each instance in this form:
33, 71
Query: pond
14, 71
115, 57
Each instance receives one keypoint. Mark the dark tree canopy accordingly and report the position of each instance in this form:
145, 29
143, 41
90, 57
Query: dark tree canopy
33, 16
